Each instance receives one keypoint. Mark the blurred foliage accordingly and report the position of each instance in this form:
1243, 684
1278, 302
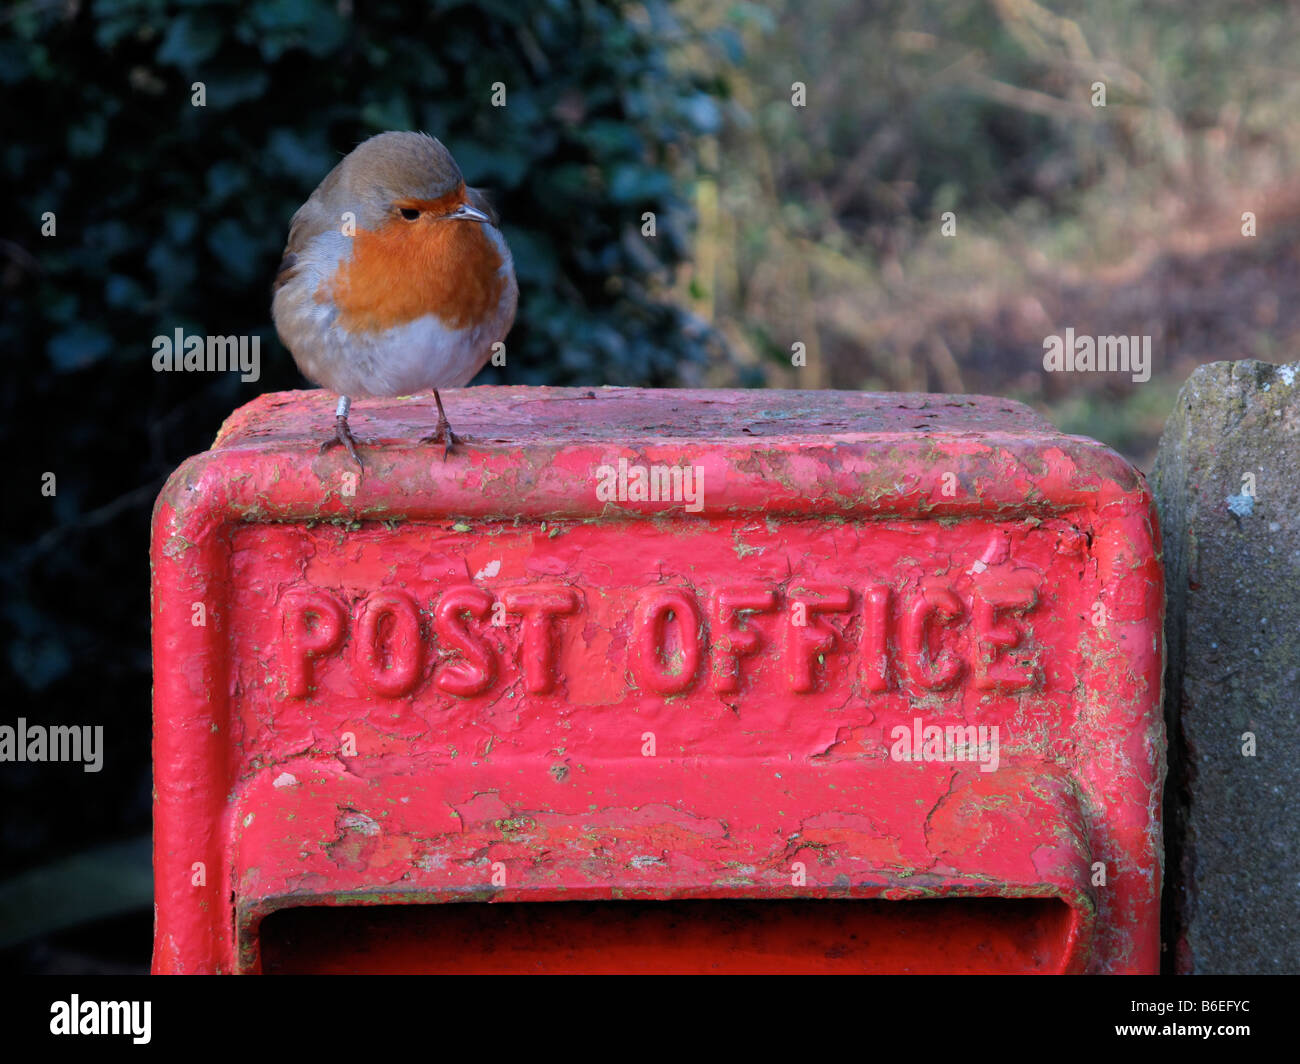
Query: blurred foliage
170, 215
821, 224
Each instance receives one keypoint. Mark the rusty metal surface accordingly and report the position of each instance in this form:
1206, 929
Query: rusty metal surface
486, 680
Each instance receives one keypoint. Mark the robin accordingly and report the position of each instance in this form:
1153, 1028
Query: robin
395, 279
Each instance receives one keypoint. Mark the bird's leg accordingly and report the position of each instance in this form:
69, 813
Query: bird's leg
442, 433
342, 433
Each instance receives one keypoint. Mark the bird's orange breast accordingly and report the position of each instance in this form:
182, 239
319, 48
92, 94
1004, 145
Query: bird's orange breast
405, 270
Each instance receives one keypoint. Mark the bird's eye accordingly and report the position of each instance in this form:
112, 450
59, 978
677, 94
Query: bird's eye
410, 213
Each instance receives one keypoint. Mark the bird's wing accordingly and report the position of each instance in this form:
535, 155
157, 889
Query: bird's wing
286, 271
309, 220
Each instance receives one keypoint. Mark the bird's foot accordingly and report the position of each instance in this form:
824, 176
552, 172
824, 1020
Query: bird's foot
443, 435
343, 437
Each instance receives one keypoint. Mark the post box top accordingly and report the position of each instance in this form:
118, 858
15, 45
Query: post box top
537, 452
521, 415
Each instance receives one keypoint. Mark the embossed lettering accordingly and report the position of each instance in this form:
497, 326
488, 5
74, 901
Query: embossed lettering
994, 637
473, 667
875, 638
730, 641
805, 643
537, 606
925, 639
937, 603
387, 652
312, 624
660, 662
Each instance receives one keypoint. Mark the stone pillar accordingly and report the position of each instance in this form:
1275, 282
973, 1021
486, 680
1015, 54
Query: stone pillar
1227, 483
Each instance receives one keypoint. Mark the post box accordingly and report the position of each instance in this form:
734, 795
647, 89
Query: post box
664, 681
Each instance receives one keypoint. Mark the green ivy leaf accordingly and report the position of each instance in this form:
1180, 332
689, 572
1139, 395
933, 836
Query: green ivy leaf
191, 39
78, 347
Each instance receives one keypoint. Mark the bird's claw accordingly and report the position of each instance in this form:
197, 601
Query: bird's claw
443, 435
343, 437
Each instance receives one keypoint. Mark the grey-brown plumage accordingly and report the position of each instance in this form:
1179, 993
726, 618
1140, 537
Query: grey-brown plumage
395, 277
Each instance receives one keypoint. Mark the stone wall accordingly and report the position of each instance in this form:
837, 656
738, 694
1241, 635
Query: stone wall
1227, 481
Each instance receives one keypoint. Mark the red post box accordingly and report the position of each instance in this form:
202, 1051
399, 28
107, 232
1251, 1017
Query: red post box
657, 681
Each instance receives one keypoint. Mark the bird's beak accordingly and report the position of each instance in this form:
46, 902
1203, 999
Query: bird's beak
469, 214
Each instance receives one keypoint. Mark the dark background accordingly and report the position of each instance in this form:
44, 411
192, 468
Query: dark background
170, 215
775, 224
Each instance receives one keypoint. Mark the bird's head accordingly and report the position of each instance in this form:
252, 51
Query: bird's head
407, 179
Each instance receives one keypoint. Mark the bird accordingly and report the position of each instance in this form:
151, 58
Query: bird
396, 279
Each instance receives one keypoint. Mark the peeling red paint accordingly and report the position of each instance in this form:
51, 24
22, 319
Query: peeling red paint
478, 680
